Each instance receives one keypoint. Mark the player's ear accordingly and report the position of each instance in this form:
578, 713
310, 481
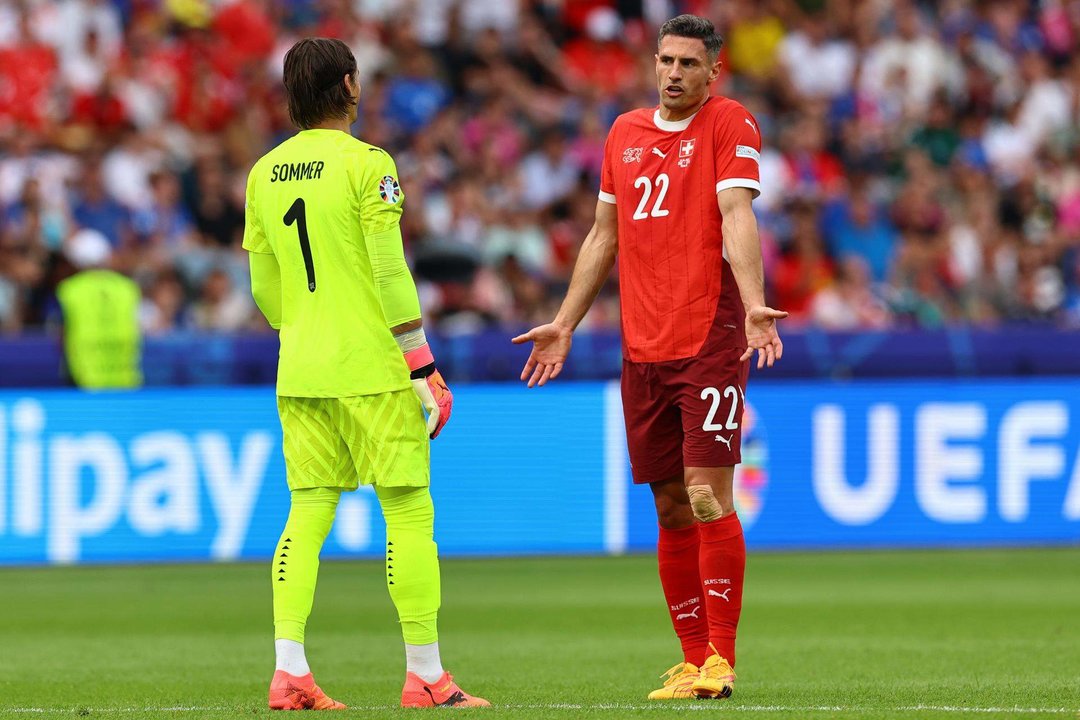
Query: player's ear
352, 84
714, 71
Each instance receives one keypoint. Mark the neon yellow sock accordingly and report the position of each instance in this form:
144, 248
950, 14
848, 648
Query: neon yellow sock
296, 561
412, 561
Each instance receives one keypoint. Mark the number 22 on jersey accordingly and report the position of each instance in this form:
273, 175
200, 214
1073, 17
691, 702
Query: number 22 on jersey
661, 185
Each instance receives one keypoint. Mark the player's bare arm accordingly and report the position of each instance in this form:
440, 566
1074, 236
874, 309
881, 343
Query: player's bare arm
406, 327
744, 254
551, 342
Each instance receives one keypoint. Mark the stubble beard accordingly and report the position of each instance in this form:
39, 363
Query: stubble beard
681, 104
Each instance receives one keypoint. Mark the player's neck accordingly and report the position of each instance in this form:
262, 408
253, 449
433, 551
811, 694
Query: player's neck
336, 124
669, 115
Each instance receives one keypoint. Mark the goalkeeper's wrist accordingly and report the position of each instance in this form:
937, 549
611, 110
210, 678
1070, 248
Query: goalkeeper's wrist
414, 346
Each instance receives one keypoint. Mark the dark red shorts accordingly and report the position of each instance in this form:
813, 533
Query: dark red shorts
684, 413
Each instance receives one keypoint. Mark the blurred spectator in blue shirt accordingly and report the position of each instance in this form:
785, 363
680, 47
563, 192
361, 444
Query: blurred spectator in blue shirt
93, 209
856, 226
416, 96
166, 223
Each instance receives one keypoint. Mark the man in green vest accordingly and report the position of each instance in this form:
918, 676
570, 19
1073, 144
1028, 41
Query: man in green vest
102, 342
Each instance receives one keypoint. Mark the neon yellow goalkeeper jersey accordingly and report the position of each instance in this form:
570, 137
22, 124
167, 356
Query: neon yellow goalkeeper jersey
312, 201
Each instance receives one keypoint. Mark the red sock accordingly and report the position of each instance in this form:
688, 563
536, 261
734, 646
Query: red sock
677, 552
723, 563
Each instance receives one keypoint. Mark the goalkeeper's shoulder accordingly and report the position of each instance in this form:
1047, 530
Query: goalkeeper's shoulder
365, 147
371, 155
260, 171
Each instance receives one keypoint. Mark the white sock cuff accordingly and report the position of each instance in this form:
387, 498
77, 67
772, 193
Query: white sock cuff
290, 657
424, 661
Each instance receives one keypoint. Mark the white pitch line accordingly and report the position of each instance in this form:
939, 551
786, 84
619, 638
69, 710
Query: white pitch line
700, 707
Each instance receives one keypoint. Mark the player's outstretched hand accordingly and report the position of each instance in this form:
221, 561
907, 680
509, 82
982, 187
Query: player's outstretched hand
551, 345
761, 335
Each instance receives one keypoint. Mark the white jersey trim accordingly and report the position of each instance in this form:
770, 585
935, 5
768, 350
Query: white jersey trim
607, 197
672, 125
739, 182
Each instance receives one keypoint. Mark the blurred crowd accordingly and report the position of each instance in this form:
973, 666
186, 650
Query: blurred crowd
921, 163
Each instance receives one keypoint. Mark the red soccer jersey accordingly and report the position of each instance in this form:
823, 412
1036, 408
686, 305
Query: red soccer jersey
663, 177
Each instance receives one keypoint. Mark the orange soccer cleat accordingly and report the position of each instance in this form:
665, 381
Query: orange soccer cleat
717, 679
444, 692
678, 682
292, 692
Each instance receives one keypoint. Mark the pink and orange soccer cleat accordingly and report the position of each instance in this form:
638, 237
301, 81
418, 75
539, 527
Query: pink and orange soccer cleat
292, 692
444, 692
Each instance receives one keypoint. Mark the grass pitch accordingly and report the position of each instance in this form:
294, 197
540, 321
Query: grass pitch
853, 635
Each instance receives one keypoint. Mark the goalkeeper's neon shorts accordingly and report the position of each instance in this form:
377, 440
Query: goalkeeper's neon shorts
343, 442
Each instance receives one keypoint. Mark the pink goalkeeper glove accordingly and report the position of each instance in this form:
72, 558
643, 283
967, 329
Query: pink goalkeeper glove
430, 387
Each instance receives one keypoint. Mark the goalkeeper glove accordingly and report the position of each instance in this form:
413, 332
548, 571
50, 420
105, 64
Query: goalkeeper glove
430, 387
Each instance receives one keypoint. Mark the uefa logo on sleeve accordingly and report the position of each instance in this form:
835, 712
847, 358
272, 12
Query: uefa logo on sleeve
389, 190
751, 475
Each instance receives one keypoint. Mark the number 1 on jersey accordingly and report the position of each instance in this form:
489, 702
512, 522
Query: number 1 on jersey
297, 213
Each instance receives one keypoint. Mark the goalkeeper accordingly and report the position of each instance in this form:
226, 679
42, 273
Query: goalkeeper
328, 271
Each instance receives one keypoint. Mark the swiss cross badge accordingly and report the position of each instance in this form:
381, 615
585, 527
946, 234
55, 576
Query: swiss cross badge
686, 149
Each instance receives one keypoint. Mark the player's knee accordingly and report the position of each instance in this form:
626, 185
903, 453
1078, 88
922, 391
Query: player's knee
704, 503
324, 498
672, 512
674, 516
407, 507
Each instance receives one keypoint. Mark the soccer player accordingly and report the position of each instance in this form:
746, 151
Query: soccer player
675, 194
328, 271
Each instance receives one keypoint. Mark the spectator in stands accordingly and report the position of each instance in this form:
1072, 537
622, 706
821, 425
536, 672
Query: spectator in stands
598, 61
938, 136
849, 303
458, 216
163, 309
855, 226
754, 40
218, 211
549, 173
914, 50
165, 226
818, 63
414, 97
222, 307
1047, 105
515, 232
32, 223
28, 80
22, 267
805, 269
812, 171
93, 209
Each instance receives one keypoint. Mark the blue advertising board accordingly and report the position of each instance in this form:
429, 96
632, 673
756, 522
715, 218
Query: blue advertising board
197, 474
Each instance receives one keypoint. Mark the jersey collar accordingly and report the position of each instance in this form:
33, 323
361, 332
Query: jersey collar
672, 125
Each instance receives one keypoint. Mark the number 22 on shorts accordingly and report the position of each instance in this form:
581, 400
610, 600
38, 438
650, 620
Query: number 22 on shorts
714, 395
